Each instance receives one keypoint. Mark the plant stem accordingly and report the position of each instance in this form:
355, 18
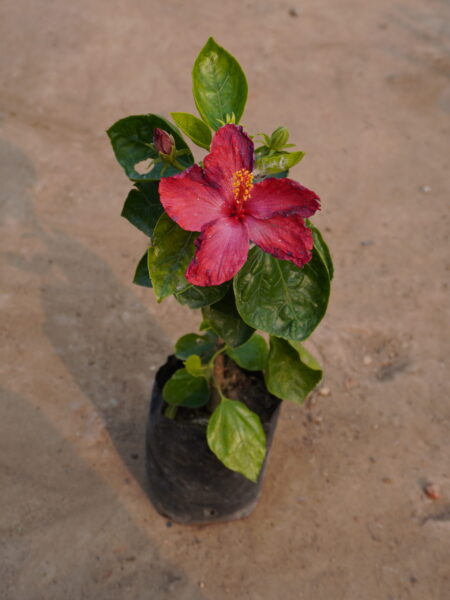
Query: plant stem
177, 164
213, 359
218, 368
170, 411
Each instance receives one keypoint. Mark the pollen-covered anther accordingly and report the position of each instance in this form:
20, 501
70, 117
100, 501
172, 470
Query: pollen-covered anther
242, 185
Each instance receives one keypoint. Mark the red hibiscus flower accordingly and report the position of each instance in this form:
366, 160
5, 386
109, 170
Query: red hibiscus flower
221, 201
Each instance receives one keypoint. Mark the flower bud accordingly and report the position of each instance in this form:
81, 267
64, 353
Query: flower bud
279, 138
163, 141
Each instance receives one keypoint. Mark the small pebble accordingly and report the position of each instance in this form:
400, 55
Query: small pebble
293, 12
367, 243
367, 360
324, 391
350, 383
432, 491
426, 189
201, 584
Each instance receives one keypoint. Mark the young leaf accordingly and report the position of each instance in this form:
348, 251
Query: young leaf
252, 355
225, 320
277, 297
278, 139
192, 343
237, 438
143, 208
322, 248
132, 142
168, 257
183, 389
195, 368
195, 129
196, 296
278, 162
141, 276
291, 372
219, 85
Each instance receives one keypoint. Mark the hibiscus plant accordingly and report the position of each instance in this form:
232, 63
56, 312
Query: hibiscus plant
231, 236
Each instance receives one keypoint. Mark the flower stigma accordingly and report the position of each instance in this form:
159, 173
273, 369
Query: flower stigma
242, 185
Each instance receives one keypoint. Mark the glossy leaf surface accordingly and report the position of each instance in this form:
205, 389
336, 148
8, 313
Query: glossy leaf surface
252, 355
196, 296
194, 128
143, 208
322, 248
192, 343
225, 320
219, 85
141, 276
132, 140
277, 297
183, 389
168, 257
237, 438
289, 376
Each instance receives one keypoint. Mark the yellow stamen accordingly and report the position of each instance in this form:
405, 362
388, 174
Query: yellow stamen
242, 185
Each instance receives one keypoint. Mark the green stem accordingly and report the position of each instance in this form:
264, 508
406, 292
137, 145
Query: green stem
214, 379
170, 411
217, 386
213, 359
177, 164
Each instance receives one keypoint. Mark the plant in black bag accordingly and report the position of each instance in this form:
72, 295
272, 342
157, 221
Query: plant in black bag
230, 236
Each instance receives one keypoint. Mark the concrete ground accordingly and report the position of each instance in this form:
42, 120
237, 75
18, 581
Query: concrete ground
364, 90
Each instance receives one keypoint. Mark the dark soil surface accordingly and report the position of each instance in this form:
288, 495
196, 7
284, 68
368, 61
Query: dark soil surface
237, 384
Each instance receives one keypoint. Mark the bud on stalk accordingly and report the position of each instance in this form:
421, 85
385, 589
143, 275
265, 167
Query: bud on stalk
279, 138
163, 142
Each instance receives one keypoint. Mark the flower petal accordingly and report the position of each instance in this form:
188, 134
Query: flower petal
283, 197
222, 251
191, 200
231, 151
287, 238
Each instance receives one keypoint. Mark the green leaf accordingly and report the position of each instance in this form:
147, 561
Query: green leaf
225, 320
277, 162
193, 365
132, 142
183, 389
289, 374
277, 297
322, 248
237, 438
141, 276
280, 175
196, 296
195, 129
143, 209
252, 355
306, 357
278, 139
192, 343
168, 257
219, 85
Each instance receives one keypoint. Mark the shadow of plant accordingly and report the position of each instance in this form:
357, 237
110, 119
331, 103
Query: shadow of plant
106, 338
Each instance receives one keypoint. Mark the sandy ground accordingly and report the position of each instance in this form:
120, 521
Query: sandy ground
363, 87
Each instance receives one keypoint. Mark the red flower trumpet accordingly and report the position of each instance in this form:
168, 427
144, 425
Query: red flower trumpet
222, 202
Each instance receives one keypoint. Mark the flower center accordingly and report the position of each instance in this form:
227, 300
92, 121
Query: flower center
242, 186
